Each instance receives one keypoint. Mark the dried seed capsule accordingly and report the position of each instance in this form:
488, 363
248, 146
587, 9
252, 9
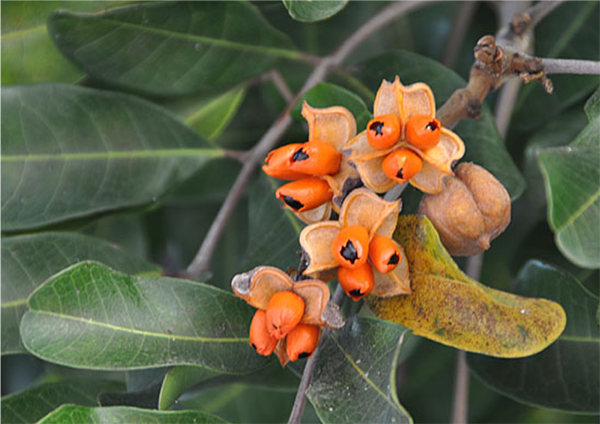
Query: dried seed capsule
284, 311
423, 131
277, 163
305, 194
350, 248
302, 341
260, 339
315, 158
383, 131
357, 282
384, 254
401, 165
472, 210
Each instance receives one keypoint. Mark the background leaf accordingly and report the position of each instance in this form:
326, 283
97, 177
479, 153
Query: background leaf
326, 95
28, 260
313, 11
484, 146
71, 414
450, 308
28, 53
31, 405
355, 376
564, 376
202, 45
69, 152
572, 177
90, 316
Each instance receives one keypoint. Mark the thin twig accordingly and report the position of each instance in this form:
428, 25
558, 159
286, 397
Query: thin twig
539, 11
457, 33
461, 390
238, 155
281, 85
300, 401
571, 66
201, 261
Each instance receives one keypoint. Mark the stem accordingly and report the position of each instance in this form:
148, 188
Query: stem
571, 66
281, 85
458, 32
461, 390
201, 261
540, 10
300, 401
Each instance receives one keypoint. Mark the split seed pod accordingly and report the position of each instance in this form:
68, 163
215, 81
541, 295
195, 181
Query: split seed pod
472, 210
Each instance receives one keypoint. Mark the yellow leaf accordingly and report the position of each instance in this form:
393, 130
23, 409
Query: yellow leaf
450, 308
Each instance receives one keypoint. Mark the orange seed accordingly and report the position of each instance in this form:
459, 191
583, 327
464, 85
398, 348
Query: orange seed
316, 158
302, 341
277, 163
305, 194
284, 311
350, 248
383, 254
383, 131
357, 282
401, 165
423, 131
260, 339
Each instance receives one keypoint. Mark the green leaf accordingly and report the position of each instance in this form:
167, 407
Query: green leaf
326, 95
355, 376
178, 380
209, 116
28, 53
564, 376
572, 179
90, 316
69, 152
29, 260
71, 414
273, 231
313, 11
200, 45
32, 404
484, 146
448, 307
571, 31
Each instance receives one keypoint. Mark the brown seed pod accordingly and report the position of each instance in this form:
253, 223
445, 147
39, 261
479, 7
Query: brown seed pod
472, 210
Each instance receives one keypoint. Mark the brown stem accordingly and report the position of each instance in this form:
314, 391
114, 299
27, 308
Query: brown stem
281, 85
201, 261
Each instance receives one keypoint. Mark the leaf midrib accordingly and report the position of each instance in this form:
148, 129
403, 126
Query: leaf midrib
233, 45
129, 154
143, 332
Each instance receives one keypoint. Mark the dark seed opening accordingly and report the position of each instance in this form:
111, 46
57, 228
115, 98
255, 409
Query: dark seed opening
253, 346
292, 203
299, 156
394, 259
355, 293
432, 126
303, 355
377, 126
399, 174
349, 252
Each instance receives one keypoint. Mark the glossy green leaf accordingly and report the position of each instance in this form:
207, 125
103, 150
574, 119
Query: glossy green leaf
355, 376
572, 177
28, 53
570, 31
313, 11
90, 316
564, 376
178, 380
326, 95
448, 307
69, 152
273, 231
29, 260
32, 404
209, 116
202, 45
71, 414
484, 146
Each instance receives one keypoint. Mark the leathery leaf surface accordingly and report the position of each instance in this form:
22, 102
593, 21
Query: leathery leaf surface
450, 308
